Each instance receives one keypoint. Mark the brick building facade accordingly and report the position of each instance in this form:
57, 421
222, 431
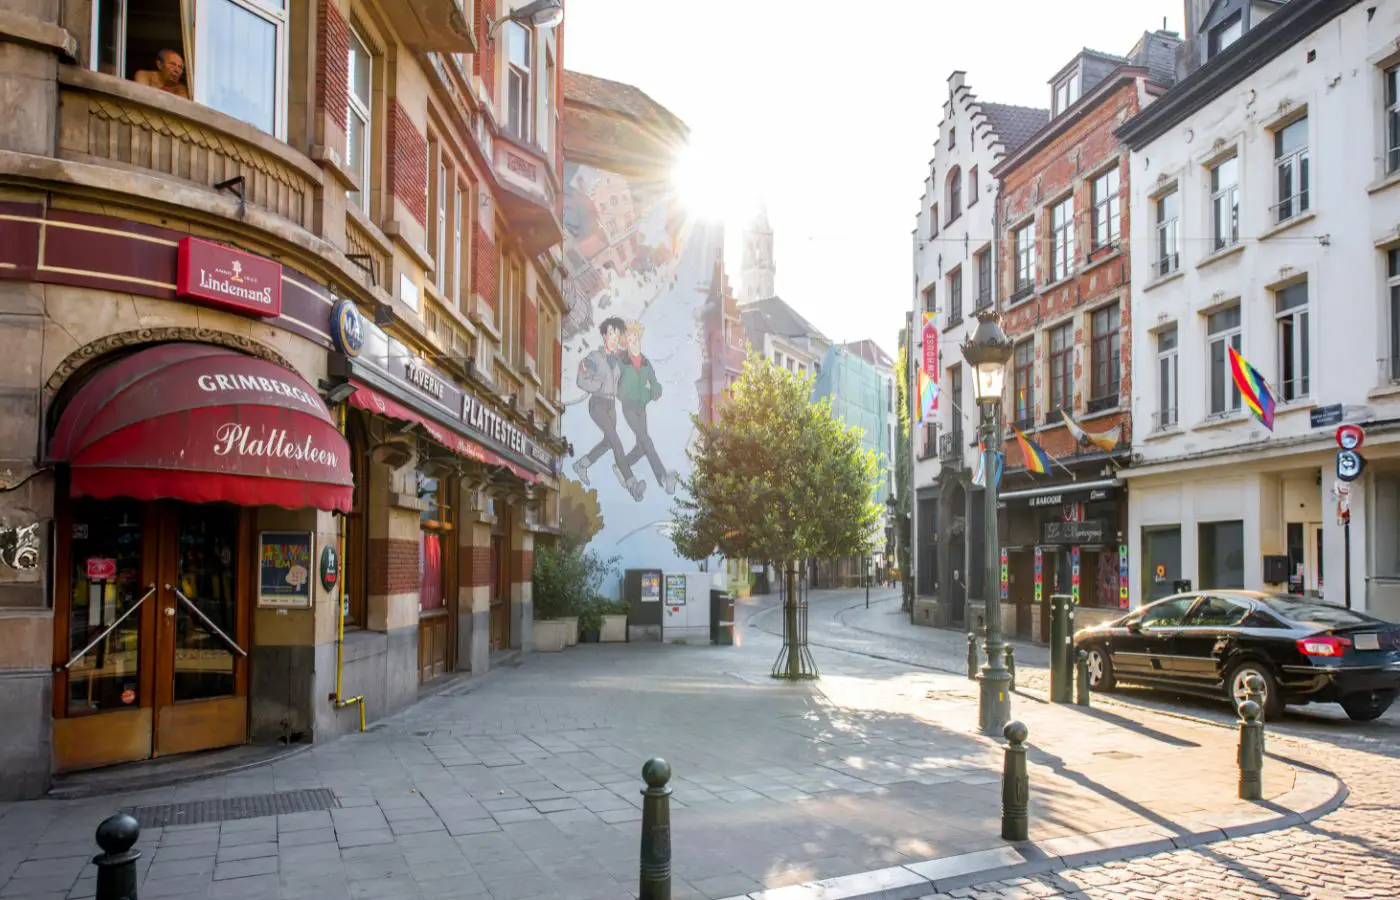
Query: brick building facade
334, 286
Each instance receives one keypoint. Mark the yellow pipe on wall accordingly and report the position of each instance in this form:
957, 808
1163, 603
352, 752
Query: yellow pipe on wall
340, 619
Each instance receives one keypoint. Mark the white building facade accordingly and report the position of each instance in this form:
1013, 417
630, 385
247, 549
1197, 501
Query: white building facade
1266, 192
954, 255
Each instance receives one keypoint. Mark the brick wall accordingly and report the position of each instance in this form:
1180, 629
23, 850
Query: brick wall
1064, 166
484, 61
332, 62
408, 163
393, 566
523, 564
484, 265
478, 560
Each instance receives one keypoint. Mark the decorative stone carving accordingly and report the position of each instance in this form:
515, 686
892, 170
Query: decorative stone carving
19, 546
122, 339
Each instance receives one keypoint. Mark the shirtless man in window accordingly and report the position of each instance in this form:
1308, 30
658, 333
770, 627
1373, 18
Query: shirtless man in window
170, 68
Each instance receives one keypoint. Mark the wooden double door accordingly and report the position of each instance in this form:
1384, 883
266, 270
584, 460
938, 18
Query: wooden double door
152, 624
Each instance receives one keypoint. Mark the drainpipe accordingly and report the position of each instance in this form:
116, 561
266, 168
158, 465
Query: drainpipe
341, 703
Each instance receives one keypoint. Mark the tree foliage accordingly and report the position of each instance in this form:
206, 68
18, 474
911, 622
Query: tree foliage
567, 577
777, 477
902, 467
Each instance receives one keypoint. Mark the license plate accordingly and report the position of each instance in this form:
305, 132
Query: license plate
1366, 641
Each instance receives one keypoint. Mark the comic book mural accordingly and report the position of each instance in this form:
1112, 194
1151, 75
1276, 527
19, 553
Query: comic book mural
638, 275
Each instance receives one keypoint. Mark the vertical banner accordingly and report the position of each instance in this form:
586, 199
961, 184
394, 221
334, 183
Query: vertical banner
1074, 574
1004, 579
1122, 576
928, 370
1039, 576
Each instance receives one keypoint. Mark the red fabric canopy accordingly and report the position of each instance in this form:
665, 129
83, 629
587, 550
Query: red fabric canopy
203, 424
371, 400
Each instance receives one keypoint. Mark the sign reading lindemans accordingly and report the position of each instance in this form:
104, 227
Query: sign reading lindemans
228, 278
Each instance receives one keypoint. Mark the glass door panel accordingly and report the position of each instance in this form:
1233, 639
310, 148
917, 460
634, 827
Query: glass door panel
206, 602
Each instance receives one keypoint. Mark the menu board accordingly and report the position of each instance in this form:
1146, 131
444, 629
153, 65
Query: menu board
675, 590
284, 569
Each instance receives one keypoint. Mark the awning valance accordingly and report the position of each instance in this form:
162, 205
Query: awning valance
203, 424
373, 401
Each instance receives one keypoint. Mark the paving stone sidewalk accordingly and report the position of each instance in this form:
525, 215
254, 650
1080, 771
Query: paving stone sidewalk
526, 785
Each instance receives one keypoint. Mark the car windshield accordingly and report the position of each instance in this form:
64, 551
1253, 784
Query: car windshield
1317, 613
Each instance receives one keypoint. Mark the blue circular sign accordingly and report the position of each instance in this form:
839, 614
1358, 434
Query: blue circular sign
1349, 465
348, 328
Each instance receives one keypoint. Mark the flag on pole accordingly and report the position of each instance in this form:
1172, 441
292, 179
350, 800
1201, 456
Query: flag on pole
1037, 460
979, 479
1253, 390
1104, 440
928, 369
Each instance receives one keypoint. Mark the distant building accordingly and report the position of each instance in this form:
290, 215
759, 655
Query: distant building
759, 270
777, 331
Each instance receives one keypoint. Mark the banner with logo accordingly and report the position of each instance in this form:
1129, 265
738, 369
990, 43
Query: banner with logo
928, 370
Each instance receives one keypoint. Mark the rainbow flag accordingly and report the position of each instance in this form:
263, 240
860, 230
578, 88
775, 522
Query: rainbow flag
1037, 460
928, 397
980, 478
1253, 390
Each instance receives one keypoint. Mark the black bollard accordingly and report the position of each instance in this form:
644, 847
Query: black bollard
1254, 690
972, 657
1010, 656
1015, 785
1251, 754
656, 831
1081, 694
116, 864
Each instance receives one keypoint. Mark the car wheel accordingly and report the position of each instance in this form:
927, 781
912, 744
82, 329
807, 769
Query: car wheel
1100, 670
1237, 693
1365, 707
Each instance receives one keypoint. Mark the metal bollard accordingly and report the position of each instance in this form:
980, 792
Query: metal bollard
1254, 690
656, 831
1061, 650
1081, 692
971, 657
1011, 667
116, 864
1251, 754
1015, 785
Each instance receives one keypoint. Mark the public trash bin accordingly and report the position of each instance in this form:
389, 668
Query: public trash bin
721, 618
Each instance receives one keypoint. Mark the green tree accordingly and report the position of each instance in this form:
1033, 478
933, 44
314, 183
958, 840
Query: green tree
778, 478
566, 577
902, 463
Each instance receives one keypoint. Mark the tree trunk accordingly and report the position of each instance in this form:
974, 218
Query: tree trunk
794, 660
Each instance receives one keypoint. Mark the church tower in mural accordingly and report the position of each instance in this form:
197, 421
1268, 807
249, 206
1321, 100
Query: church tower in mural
758, 270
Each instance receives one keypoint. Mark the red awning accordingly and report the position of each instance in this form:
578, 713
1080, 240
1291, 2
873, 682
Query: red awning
371, 400
203, 424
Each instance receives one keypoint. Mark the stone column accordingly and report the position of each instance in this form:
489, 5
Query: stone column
474, 594
522, 562
392, 595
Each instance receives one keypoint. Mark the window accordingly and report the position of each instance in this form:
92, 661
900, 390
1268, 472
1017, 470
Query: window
1393, 286
1061, 371
519, 110
954, 194
955, 396
1291, 313
1392, 120
1167, 614
511, 287
1225, 203
930, 300
955, 296
1291, 170
1108, 217
1025, 259
933, 222
441, 222
1221, 551
359, 121
460, 212
1225, 34
1105, 328
972, 189
984, 279
1062, 239
1222, 332
1386, 485
1168, 222
241, 52
952, 138
1216, 612
1166, 377
547, 104
1023, 385
1066, 92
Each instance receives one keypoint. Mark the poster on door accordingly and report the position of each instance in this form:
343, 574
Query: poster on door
284, 569
1039, 575
1074, 574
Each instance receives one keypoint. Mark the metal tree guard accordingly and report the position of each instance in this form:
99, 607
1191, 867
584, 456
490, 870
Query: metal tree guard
794, 662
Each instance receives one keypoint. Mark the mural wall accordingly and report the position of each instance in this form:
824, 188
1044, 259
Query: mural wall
639, 273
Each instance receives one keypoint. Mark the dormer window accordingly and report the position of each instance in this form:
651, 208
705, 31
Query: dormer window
1066, 92
1225, 34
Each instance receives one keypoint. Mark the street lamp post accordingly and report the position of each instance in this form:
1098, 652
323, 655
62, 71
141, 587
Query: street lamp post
987, 352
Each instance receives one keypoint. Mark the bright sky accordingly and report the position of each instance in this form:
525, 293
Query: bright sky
830, 112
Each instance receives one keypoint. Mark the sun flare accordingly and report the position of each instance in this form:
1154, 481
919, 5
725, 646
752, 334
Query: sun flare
715, 183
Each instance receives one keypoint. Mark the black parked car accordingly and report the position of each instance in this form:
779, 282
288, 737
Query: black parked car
1210, 641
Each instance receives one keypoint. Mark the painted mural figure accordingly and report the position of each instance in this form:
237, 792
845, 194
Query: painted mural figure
599, 376
637, 387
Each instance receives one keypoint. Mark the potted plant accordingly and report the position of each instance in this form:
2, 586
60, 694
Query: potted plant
612, 621
565, 579
590, 622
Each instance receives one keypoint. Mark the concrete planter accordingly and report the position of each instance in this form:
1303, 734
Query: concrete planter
571, 623
550, 635
614, 629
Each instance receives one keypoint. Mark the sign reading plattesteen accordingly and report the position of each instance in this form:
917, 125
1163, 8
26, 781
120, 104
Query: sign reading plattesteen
222, 276
284, 569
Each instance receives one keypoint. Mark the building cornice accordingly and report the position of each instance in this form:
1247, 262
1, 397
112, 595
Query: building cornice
1284, 28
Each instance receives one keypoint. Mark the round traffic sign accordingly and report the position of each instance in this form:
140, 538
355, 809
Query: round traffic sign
1349, 465
1350, 437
